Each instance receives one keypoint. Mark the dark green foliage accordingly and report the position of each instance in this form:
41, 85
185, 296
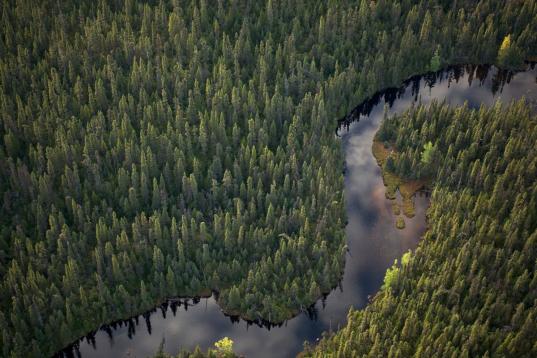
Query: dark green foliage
470, 288
154, 149
435, 62
509, 55
197, 353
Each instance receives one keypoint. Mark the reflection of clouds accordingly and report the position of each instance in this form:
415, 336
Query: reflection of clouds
373, 241
378, 194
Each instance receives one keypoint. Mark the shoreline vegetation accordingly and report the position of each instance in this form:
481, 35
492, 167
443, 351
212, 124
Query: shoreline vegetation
203, 294
406, 188
223, 349
154, 149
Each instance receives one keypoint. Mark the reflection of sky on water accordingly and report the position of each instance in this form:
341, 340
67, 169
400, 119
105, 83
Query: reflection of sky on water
372, 238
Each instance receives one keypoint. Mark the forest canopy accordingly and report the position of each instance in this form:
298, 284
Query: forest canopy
171, 148
470, 288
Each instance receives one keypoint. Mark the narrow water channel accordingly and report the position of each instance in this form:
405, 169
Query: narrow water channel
372, 238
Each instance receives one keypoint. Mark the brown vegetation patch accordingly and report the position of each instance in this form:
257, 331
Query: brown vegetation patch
393, 183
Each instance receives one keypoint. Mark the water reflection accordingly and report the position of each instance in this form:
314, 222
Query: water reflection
489, 77
372, 238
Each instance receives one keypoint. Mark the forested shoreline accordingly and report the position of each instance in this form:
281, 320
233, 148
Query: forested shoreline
161, 149
469, 289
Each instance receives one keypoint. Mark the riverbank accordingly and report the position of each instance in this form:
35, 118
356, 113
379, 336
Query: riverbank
372, 238
396, 184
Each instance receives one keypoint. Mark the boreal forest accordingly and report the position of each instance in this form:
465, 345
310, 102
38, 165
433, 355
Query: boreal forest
159, 149
470, 288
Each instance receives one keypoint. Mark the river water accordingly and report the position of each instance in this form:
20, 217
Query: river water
372, 238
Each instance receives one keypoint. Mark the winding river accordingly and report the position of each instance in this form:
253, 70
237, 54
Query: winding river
372, 238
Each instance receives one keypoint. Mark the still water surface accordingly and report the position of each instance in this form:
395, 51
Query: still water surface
372, 238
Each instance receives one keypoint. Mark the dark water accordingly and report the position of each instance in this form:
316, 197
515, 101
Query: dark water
372, 238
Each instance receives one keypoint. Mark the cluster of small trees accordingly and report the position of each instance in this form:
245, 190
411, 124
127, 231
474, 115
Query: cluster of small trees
470, 288
224, 349
163, 148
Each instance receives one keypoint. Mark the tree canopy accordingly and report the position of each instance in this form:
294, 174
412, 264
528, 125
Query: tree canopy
470, 288
169, 148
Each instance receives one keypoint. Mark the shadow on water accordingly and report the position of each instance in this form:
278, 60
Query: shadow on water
372, 238
479, 73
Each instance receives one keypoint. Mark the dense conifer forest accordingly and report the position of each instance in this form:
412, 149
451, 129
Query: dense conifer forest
174, 148
470, 288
